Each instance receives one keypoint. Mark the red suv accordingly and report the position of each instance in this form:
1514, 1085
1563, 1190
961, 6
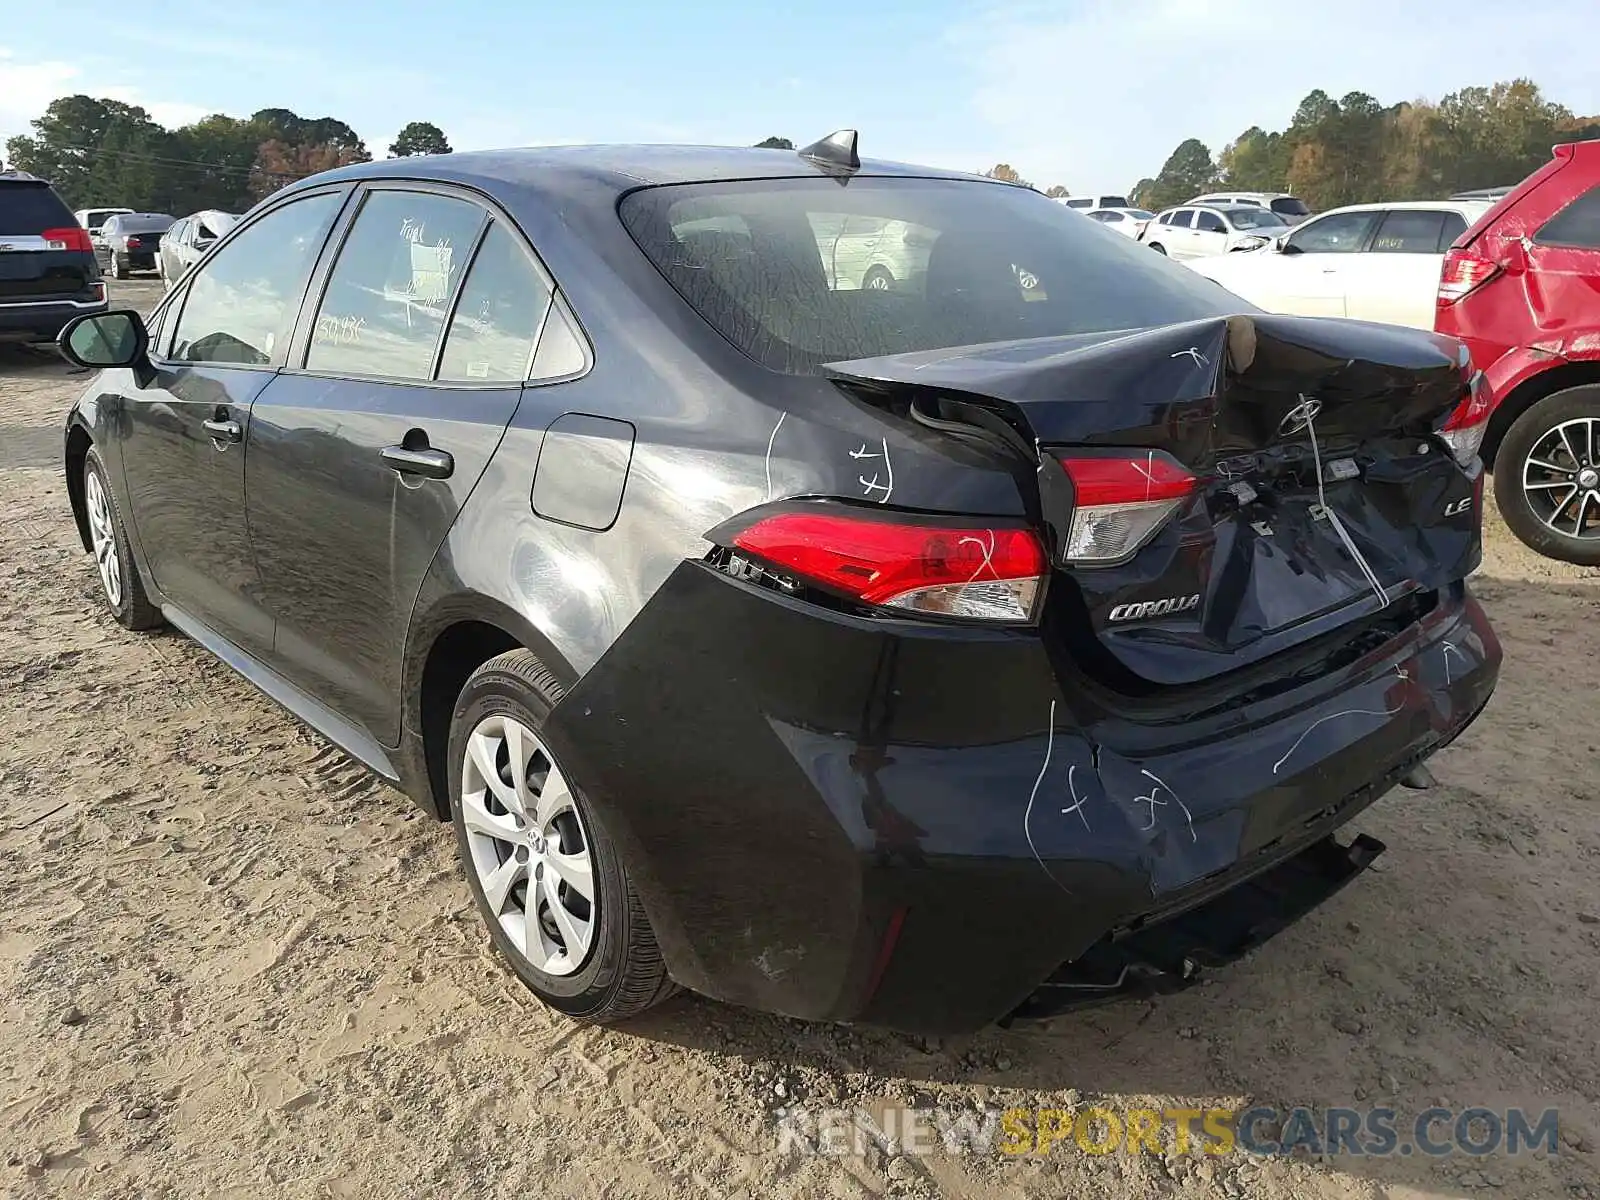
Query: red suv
1522, 289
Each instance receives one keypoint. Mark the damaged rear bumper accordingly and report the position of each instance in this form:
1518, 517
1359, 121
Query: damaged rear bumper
934, 827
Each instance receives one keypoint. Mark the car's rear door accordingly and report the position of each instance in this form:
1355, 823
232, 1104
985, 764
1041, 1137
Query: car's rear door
182, 445
362, 452
1396, 279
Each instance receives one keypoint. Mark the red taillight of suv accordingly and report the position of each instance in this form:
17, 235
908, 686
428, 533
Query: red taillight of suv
74, 238
1464, 272
975, 572
1120, 501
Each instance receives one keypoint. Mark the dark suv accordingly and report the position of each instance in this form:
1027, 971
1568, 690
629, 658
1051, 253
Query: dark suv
777, 636
48, 273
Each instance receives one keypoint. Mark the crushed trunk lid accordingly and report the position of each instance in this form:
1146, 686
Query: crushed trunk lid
1320, 494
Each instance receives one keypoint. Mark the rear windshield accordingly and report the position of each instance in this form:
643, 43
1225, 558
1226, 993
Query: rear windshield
802, 272
28, 209
1288, 206
141, 223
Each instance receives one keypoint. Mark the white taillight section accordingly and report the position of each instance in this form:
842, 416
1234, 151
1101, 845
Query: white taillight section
1464, 271
1464, 431
977, 572
1120, 501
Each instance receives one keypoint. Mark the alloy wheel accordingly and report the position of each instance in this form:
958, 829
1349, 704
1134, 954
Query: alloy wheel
102, 537
528, 844
1561, 478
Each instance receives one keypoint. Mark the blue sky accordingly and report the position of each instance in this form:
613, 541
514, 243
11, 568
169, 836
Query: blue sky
1092, 94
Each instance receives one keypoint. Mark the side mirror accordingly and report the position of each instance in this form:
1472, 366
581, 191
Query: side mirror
108, 339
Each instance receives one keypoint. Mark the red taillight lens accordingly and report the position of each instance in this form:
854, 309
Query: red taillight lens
1463, 431
1464, 271
974, 572
73, 238
1120, 502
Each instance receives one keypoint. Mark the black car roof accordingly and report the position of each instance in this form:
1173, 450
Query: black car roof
613, 169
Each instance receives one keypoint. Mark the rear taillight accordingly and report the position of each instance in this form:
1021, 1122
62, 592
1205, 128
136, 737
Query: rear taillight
1464, 430
1120, 502
1464, 272
75, 237
974, 572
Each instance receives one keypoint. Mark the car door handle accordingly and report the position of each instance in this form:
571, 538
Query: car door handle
430, 464
224, 431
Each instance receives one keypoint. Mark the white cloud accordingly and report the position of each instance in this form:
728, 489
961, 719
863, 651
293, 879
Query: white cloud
1097, 96
28, 87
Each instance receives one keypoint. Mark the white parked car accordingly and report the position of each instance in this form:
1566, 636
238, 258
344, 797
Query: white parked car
1373, 262
1291, 208
94, 219
1201, 231
185, 241
1130, 221
1087, 203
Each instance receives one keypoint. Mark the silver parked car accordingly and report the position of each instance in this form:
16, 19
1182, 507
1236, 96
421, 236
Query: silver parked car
187, 240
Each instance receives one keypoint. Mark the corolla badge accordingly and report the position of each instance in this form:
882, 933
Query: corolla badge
1300, 416
1154, 608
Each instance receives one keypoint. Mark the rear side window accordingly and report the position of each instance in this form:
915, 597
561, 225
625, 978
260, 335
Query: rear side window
497, 320
244, 299
28, 209
390, 290
1409, 231
1081, 202
1454, 226
1182, 218
1113, 202
969, 263
1578, 224
1288, 206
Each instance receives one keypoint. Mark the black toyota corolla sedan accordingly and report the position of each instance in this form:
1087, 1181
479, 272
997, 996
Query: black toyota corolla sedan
858, 591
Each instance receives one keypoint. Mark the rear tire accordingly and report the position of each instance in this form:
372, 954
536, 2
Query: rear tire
120, 584
119, 269
527, 837
878, 279
1555, 508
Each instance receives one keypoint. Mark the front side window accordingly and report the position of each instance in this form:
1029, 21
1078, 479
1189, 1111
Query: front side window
1409, 231
1342, 233
243, 301
389, 291
982, 264
1209, 222
503, 303
1578, 224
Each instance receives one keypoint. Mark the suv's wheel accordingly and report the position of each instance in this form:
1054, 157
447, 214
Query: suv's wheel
1547, 476
878, 279
108, 539
546, 876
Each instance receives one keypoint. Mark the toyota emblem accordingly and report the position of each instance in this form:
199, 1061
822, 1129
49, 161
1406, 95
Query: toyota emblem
1300, 416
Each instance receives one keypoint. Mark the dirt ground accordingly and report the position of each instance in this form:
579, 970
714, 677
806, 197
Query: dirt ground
232, 965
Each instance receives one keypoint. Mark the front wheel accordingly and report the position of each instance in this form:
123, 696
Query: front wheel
1547, 476
546, 876
878, 279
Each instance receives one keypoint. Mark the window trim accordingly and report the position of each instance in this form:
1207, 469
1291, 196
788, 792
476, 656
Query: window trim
178, 300
305, 323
